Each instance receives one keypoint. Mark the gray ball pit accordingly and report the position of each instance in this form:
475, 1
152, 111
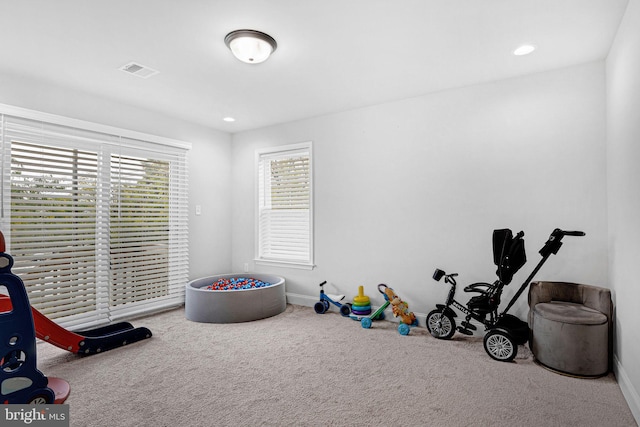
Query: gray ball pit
242, 305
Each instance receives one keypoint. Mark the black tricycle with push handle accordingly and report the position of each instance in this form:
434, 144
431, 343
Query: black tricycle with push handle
504, 332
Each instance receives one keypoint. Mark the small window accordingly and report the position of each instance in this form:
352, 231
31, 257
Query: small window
284, 229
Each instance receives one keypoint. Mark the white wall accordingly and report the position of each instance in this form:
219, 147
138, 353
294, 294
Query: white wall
623, 176
209, 233
405, 187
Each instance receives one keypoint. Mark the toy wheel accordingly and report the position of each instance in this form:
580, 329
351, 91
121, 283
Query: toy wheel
319, 307
13, 360
345, 310
366, 322
404, 329
441, 325
500, 346
381, 316
42, 397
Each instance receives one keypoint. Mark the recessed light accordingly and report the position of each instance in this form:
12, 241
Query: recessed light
525, 49
229, 119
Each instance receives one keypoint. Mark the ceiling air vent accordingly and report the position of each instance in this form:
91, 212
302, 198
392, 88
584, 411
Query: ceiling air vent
139, 70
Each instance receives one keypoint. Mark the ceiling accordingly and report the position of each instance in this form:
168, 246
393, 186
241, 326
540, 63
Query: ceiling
332, 56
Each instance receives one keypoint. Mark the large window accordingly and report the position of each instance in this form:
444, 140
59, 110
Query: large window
96, 222
285, 210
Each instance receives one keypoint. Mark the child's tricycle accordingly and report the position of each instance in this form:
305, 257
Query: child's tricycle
325, 299
504, 331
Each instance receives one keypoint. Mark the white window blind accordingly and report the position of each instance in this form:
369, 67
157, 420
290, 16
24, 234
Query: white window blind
96, 222
285, 214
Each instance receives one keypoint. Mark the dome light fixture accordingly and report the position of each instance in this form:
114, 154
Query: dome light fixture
250, 46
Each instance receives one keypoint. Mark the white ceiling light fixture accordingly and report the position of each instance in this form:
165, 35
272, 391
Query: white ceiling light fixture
525, 49
250, 46
229, 119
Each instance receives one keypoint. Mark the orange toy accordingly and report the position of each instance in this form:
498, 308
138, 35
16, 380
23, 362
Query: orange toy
399, 307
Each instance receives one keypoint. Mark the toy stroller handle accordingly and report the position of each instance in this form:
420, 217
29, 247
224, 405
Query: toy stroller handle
551, 247
323, 283
573, 233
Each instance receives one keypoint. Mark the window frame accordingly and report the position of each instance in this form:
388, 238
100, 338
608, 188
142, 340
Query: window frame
282, 150
118, 142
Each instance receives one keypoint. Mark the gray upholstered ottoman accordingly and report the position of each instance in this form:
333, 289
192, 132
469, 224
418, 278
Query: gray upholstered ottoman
568, 333
570, 338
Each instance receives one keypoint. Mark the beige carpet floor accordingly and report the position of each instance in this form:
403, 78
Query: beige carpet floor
304, 369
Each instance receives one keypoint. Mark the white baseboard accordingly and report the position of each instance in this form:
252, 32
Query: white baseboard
628, 390
303, 300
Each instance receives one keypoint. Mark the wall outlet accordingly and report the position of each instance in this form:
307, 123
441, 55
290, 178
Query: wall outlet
198, 209
246, 267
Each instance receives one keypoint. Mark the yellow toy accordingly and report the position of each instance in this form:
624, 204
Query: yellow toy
361, 303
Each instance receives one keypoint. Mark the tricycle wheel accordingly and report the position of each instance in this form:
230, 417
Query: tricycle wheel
500, 346
345, 310
441, 325
319, 307
365, 322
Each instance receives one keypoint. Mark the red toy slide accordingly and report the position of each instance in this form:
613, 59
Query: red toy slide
82, 342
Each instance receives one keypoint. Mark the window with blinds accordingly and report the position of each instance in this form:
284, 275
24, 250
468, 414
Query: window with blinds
285, 214
96, 222
139, 229
53, 226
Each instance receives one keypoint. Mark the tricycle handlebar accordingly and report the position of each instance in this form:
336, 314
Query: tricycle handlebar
439, 274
